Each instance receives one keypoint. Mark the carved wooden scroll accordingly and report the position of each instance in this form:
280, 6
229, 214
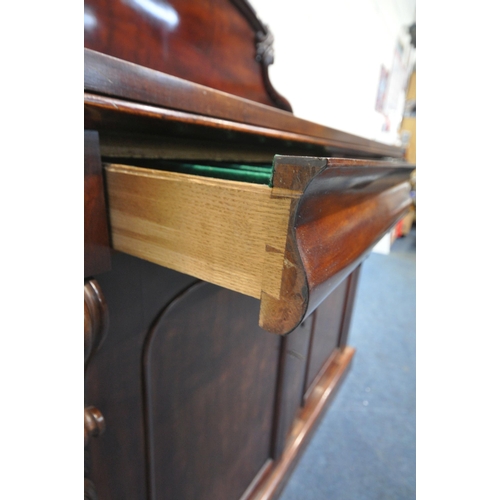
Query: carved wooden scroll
264, 41
340, 208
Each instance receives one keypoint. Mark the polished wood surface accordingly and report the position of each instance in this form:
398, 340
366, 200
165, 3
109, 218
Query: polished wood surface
340, 209
326, 335
96, 323
210, 379
352, 287
198, 400
271, 484
293, 368
136, 292
185, 38
345, 210
186, 375
89, 490
96, 236
132, 130
96, 318
94, 424
106, 75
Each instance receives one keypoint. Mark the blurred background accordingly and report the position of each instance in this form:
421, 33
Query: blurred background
350, 66
354, 58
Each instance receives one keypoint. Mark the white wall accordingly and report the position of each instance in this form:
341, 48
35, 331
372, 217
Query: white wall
328, 55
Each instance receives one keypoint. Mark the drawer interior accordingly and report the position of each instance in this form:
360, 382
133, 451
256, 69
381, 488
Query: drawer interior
227, 232
254, 173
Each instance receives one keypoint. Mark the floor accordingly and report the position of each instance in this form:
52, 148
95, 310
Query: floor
364, 448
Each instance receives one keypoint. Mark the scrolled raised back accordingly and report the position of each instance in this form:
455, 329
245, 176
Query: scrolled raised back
219, 43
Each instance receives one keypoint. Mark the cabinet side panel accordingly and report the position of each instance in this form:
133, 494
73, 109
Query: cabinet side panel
96, 236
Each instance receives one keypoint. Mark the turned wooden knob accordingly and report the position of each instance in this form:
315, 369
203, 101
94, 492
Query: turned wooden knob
94, 424
89, 490
95, 317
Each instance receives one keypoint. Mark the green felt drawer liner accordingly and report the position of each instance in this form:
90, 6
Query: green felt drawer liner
256, 174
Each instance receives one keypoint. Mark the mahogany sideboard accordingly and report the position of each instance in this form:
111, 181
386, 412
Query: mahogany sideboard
223, 242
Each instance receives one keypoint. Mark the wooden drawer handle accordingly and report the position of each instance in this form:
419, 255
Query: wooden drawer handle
94, 424
96, 317
89, 488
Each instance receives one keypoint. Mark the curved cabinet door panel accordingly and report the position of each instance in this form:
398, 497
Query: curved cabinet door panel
136, 292
210, 380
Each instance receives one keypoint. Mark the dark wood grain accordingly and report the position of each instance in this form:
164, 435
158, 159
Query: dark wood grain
96, 318
352, 287
344, 212
340, 209
207, 42
326, 335
293, 361
199, 402
106, 75
96, 323
210, 382
271, 484
209, 393
142, 131
89, 490
136, 292
96, 236
94, 424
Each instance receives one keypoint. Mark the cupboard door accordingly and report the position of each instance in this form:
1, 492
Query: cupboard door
210, 382
293, 365
332, 320
327, 332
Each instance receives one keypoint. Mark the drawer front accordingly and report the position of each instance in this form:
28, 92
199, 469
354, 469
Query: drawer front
289, 245
209, 409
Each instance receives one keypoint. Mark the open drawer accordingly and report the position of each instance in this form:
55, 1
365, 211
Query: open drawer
289, 244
